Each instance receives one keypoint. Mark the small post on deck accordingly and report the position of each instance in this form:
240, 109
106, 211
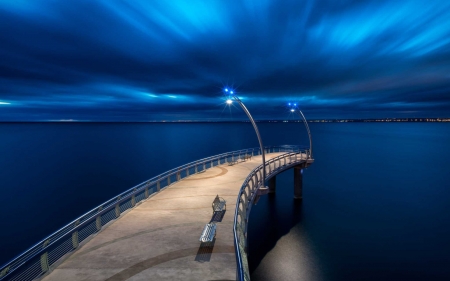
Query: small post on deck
75, 240
117, 209
298, 182
272, 184
146, 194
98, 220
44, 258
133, 198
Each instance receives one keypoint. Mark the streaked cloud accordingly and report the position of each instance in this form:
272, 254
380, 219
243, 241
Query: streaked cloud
141, 60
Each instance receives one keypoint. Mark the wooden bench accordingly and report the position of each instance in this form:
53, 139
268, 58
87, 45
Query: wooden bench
209, 232
219, 204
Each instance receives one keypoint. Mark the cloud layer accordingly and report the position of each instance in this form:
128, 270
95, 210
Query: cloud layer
169, 60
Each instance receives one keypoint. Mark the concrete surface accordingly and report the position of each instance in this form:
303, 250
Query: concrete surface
158, 239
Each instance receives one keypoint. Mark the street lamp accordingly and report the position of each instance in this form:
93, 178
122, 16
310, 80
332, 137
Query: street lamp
300, 113
261, 146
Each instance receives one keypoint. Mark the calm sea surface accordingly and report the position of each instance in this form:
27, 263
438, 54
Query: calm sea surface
376, 201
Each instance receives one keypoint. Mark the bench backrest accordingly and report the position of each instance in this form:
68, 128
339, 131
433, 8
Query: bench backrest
216, 201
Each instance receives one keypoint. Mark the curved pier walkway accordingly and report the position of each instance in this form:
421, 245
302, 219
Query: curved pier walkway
158, 239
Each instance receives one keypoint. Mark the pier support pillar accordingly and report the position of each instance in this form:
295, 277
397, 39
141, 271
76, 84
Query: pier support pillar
298, 182
272, 184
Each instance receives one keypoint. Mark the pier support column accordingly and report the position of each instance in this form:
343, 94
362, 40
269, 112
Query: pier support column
272, 184
298, 182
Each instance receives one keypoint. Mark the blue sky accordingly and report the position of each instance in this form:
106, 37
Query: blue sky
107, 60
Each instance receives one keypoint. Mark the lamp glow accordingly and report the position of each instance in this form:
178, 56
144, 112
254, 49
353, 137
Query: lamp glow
229, 101
231, 92
292, 110
226, 89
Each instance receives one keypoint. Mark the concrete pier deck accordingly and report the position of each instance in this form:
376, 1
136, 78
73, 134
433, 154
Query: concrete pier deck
158, 239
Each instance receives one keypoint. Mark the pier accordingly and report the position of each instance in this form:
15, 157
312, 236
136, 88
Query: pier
151, 231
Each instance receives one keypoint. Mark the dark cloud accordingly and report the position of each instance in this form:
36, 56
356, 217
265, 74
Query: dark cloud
162, 60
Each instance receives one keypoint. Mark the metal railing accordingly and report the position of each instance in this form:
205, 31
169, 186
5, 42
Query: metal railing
39, 259
247, 195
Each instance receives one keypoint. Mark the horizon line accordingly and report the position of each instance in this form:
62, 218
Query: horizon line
337, 120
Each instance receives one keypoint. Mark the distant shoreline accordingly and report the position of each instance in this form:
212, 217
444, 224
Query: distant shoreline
384, 120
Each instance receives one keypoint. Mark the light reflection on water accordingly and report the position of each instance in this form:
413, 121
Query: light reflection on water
375, 207
280, 248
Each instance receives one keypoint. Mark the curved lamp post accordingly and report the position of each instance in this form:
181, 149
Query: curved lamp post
300, 113
261, 146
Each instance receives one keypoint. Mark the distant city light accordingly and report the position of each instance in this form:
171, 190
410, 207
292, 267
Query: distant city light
2, 102
292, 110
229, 101
226, 90
231, 92
295, 104
289, 103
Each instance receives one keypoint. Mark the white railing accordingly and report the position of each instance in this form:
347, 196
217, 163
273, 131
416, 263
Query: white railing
249, 193
38, 260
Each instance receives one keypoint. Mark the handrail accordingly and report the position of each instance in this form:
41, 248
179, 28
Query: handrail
247, 195
38, 259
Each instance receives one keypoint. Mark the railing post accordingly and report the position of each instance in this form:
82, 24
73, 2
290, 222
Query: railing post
212, 163
118, 207
187, 172
98, 220
4, 271
178, 175
158, 186
196, 169
75, 241
168, 180
146, 190
204, 166
133, 198
44, 258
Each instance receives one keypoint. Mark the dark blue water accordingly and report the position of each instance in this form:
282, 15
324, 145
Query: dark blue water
376, 207
53, 173
376, 201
